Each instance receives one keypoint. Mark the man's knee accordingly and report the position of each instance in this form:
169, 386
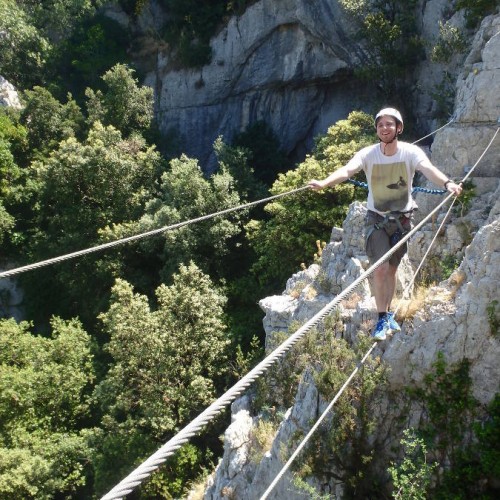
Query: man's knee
385, 270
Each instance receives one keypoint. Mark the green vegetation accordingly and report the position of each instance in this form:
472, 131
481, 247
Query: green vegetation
391, 45
493, 312
166, 366
45, 386
460, 435
412, 476
451, 41
307, 216
124, 347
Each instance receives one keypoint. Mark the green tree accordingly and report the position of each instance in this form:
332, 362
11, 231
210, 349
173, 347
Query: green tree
166, 365
48, 122
94, 46
124, 104
56, 18
236, 160
296, 222
15, 134
7, 222
82, 188
186, 194
44, 388
13, 193
23, 49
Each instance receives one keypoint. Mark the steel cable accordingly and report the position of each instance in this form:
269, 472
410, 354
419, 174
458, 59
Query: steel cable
136, 237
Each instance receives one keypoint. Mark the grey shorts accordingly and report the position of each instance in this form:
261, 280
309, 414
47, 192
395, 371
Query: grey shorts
378, 241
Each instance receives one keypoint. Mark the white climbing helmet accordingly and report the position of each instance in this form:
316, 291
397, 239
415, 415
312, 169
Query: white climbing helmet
390, 112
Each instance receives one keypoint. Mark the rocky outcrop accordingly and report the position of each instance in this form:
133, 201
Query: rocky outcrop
455, 318
289, 63
8, 94
283, 62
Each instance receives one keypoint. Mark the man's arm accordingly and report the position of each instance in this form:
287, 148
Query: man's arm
340, 175
437, 177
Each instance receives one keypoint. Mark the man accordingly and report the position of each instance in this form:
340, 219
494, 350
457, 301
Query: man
389, 167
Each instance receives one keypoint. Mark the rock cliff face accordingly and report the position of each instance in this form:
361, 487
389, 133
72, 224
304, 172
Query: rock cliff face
289, 63
283, 62
8, 94
456, 316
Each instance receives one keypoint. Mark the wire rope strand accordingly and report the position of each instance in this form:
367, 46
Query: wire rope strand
146, 234
435, 131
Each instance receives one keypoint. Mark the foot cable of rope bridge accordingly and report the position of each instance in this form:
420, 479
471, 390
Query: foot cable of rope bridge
201, 421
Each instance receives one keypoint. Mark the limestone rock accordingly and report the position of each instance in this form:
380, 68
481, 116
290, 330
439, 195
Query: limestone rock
8, 95
283, 62
455, 317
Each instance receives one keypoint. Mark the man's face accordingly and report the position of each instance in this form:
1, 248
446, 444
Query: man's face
387, 128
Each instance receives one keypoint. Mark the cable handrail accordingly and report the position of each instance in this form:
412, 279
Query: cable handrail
146, 234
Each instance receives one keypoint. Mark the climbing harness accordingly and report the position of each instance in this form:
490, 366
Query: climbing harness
395, 224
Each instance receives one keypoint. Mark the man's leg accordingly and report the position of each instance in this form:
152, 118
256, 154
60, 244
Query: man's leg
384, 285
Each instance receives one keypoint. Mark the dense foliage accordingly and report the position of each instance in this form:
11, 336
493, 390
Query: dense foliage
124, 347
307, 216
44, 403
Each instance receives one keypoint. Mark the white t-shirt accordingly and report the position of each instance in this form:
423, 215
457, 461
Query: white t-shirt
389, 178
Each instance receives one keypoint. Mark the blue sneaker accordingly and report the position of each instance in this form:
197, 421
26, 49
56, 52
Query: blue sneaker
382, 328
393, 324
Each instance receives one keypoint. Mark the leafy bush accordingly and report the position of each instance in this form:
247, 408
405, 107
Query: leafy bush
462, 436
44, 387
48, 121
307, 216
23, 49
125, 105
451, 41
412, 476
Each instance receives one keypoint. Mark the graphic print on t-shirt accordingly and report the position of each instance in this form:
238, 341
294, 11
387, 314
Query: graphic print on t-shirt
389, 184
